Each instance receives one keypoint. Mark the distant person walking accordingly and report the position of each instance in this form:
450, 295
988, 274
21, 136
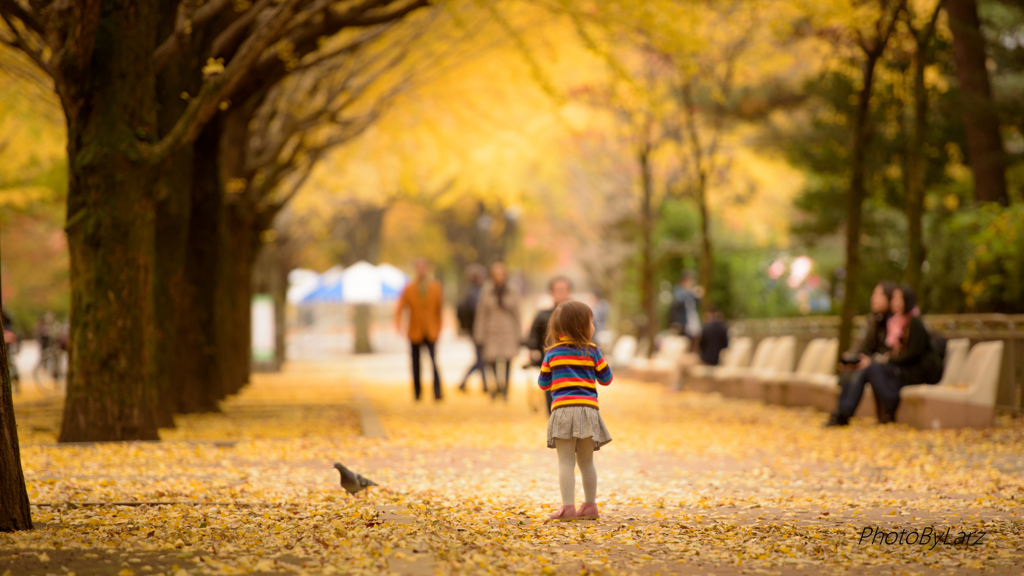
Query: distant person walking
683, 315
497, 326
560, 289
466, 312
422, 298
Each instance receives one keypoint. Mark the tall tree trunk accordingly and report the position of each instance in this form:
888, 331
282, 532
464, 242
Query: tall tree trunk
984, 142
916, 171
282, 267
862, 134
707, 263
237, 288
647, 297
15, 513
915, 152
365, 239
201, 333
362, 317
169, 282
241, 243
110, 229
176, 284
268, 279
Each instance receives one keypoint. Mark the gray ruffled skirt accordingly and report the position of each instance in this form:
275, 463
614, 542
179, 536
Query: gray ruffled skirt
577, 422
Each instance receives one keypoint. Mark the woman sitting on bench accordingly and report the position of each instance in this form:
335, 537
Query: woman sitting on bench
852, 375
913, 359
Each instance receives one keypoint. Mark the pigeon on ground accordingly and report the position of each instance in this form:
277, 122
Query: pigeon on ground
351, 481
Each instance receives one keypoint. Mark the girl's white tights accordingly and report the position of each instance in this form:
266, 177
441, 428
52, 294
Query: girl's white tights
570, 453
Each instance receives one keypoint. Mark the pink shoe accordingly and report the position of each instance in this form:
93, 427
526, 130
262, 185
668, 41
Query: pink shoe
587, 511
564, 514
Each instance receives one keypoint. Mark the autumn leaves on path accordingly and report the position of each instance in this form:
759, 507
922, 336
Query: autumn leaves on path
691, 484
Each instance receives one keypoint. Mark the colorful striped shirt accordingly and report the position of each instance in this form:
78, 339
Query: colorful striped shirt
572, 375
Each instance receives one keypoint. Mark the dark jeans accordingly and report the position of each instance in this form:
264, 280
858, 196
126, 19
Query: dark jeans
851, 388
416, 368
500, 386
477, 366
884, 382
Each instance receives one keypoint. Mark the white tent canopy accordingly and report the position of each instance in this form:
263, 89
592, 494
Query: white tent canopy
360, 283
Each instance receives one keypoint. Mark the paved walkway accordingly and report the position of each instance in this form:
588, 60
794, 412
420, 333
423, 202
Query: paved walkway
691, 484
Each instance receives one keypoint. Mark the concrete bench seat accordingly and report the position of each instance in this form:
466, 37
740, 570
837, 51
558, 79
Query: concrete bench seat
664, 364
816, 367
703, 378
965, 399
623, 352
821, 391
730, 382
754, 384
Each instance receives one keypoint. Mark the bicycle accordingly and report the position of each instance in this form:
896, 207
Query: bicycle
50, 367
12, 350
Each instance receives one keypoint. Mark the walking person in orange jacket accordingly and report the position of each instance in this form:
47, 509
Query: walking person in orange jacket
423, 299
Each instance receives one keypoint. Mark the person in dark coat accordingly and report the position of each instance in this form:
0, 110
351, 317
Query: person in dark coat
913, 357
852, 375
560, 289
466, 312
714, 337
682, 314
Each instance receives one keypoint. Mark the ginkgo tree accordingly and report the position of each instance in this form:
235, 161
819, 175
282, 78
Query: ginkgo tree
116, 70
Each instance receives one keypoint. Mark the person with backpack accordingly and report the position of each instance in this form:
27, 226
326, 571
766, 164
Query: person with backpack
560, 288
915, 357
852, 366
466, 312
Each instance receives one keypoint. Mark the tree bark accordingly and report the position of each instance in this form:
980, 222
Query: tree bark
362, 316
15, 513
110, 229
364, 237
201, 333
243, 248
915, 153
862, 134
647, 296
270, 278
707, 263
984, 141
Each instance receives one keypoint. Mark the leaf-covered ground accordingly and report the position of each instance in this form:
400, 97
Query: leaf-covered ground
691, 484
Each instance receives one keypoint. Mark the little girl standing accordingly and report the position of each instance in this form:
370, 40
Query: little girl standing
571, 370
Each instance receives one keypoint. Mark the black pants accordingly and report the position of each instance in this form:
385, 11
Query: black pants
478, 365
500, 386
851, 388
884, 382
416, 368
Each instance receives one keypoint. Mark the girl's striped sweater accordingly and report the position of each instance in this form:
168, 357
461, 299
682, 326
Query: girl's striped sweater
572, 375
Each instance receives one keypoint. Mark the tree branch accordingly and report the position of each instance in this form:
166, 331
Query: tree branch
217, 88
20, 43
271, 68
232, 36
30, 20
187, 18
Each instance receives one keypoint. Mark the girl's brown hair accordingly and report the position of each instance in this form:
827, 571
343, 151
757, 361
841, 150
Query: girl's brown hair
570, 319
